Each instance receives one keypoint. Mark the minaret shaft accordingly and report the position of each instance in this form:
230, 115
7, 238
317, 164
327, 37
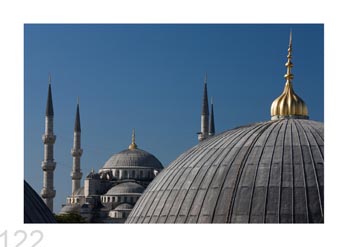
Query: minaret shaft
48, 164
211, 120
76, 153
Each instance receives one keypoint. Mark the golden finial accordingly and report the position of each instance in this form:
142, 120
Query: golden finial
289, 76
133, 144
288, 104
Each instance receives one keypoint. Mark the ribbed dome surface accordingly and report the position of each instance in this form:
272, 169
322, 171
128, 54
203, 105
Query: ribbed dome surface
268, 172
126, 188
133, 158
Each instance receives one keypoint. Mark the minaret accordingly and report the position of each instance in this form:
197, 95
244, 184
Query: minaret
76, 153
48, 165
211, 119
289, 104
205, 114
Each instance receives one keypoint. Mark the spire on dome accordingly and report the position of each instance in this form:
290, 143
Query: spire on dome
289, 104
133, 144
49, 105
77, 119
289, 76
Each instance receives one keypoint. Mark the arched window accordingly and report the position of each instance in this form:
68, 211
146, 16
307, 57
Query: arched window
141, 174
113, 199
125, 174
133, 174
149, 174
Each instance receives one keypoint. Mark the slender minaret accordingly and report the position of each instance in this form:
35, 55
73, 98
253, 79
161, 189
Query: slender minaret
48, 165
205, 114
211, 119
76, 153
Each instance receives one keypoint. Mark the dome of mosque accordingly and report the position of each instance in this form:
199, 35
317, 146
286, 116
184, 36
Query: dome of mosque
267, 172
126, 188
133, 158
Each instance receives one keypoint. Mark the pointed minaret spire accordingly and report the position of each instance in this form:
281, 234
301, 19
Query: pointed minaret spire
48, 165
77, 119
205, 113
211, 119
49, 105
76, 152
133, 143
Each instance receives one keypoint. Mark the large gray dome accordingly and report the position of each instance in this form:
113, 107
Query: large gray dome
268, 172
130, 158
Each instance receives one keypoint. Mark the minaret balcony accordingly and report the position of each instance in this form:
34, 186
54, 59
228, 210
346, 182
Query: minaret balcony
76, 152
76, 175
49, 138
48, 165
48, 193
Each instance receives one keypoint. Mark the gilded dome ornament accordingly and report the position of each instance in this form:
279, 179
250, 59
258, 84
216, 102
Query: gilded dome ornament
133, 144
289, 104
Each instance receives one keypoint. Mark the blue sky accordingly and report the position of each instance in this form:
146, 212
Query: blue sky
150, 77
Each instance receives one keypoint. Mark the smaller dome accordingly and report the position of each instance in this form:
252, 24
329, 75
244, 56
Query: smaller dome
126, 188
70, 208
123, 207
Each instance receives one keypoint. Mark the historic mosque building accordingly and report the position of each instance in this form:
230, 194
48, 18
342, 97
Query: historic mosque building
108, 195
266, 172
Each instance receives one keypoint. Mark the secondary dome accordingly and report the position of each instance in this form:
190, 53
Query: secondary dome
269, 172
289, 104
126, 188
